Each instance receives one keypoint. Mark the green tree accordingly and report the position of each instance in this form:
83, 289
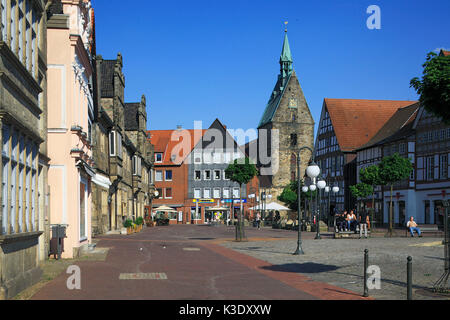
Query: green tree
392, 170
289, 196
371, 176
361, 190
434, 88
241, 171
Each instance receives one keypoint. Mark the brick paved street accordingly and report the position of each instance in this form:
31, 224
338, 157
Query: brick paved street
199, 264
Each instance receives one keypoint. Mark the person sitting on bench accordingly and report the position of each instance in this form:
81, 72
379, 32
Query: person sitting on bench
412, 225
351, 221
340, 221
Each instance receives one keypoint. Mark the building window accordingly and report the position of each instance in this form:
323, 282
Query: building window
207, 175
13, 27
112, 143
197, 193
198, 158
168, 175
137, 165
225, 176
430, 168
216, 193
158, 175
206, 193
443, 166
168, 193
236, 193
217, 174
198, 175
293, 139
158, 157
226, 193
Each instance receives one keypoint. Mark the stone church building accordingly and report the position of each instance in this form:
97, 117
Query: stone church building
286, 126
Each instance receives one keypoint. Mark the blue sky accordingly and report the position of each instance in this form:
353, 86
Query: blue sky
207, 59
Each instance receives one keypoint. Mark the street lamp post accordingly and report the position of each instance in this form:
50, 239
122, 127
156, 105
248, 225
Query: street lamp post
321, 184
312, 171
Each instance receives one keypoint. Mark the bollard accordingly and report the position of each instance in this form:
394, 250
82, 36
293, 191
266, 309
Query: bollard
409, 279
366, 266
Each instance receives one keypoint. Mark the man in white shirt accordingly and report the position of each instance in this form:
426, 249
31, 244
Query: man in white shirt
412, 225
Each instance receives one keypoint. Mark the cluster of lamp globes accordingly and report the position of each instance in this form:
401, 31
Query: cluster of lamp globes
313, 171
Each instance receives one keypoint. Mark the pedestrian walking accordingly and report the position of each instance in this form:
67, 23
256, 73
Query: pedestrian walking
363, 222
258, 220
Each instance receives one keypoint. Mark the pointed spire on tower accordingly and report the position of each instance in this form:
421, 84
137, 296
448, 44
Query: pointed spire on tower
286, 56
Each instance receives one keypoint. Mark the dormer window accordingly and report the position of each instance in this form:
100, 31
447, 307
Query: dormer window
158, 157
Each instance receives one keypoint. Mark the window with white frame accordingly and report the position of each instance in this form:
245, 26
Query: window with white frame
216, 193
206, 193
28, 24
13, 26
197, 175
217, 174
197, 158
158, 157
137, 165
112, 143
197, 193
158, 175
168, 194
225, 176
207, 175
236, 193
21, 34
34, 41
226, 193
430, 168
168, 176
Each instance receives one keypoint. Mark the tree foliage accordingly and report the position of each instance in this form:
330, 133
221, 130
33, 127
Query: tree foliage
361, 190
241, 171
371, 175
434, 87
394, 168
289, 195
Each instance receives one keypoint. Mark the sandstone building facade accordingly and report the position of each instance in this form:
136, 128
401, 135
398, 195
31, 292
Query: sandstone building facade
23, 129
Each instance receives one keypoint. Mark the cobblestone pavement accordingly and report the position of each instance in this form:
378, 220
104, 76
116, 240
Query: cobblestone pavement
340, 261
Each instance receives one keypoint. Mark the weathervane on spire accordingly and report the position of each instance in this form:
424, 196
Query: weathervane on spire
285, 28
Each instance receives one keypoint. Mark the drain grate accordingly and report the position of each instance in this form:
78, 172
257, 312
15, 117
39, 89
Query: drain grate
143, 276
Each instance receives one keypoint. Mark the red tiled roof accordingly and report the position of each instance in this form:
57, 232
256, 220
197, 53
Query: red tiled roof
356, 121
162, 141
445, 53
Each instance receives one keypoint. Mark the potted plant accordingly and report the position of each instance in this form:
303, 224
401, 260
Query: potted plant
129, 225
140, 223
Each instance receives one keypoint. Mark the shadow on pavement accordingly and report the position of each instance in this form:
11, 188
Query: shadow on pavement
309, 267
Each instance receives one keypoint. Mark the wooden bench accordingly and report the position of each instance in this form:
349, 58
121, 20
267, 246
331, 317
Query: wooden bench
425, 228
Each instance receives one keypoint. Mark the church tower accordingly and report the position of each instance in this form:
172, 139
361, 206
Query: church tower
285, 126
